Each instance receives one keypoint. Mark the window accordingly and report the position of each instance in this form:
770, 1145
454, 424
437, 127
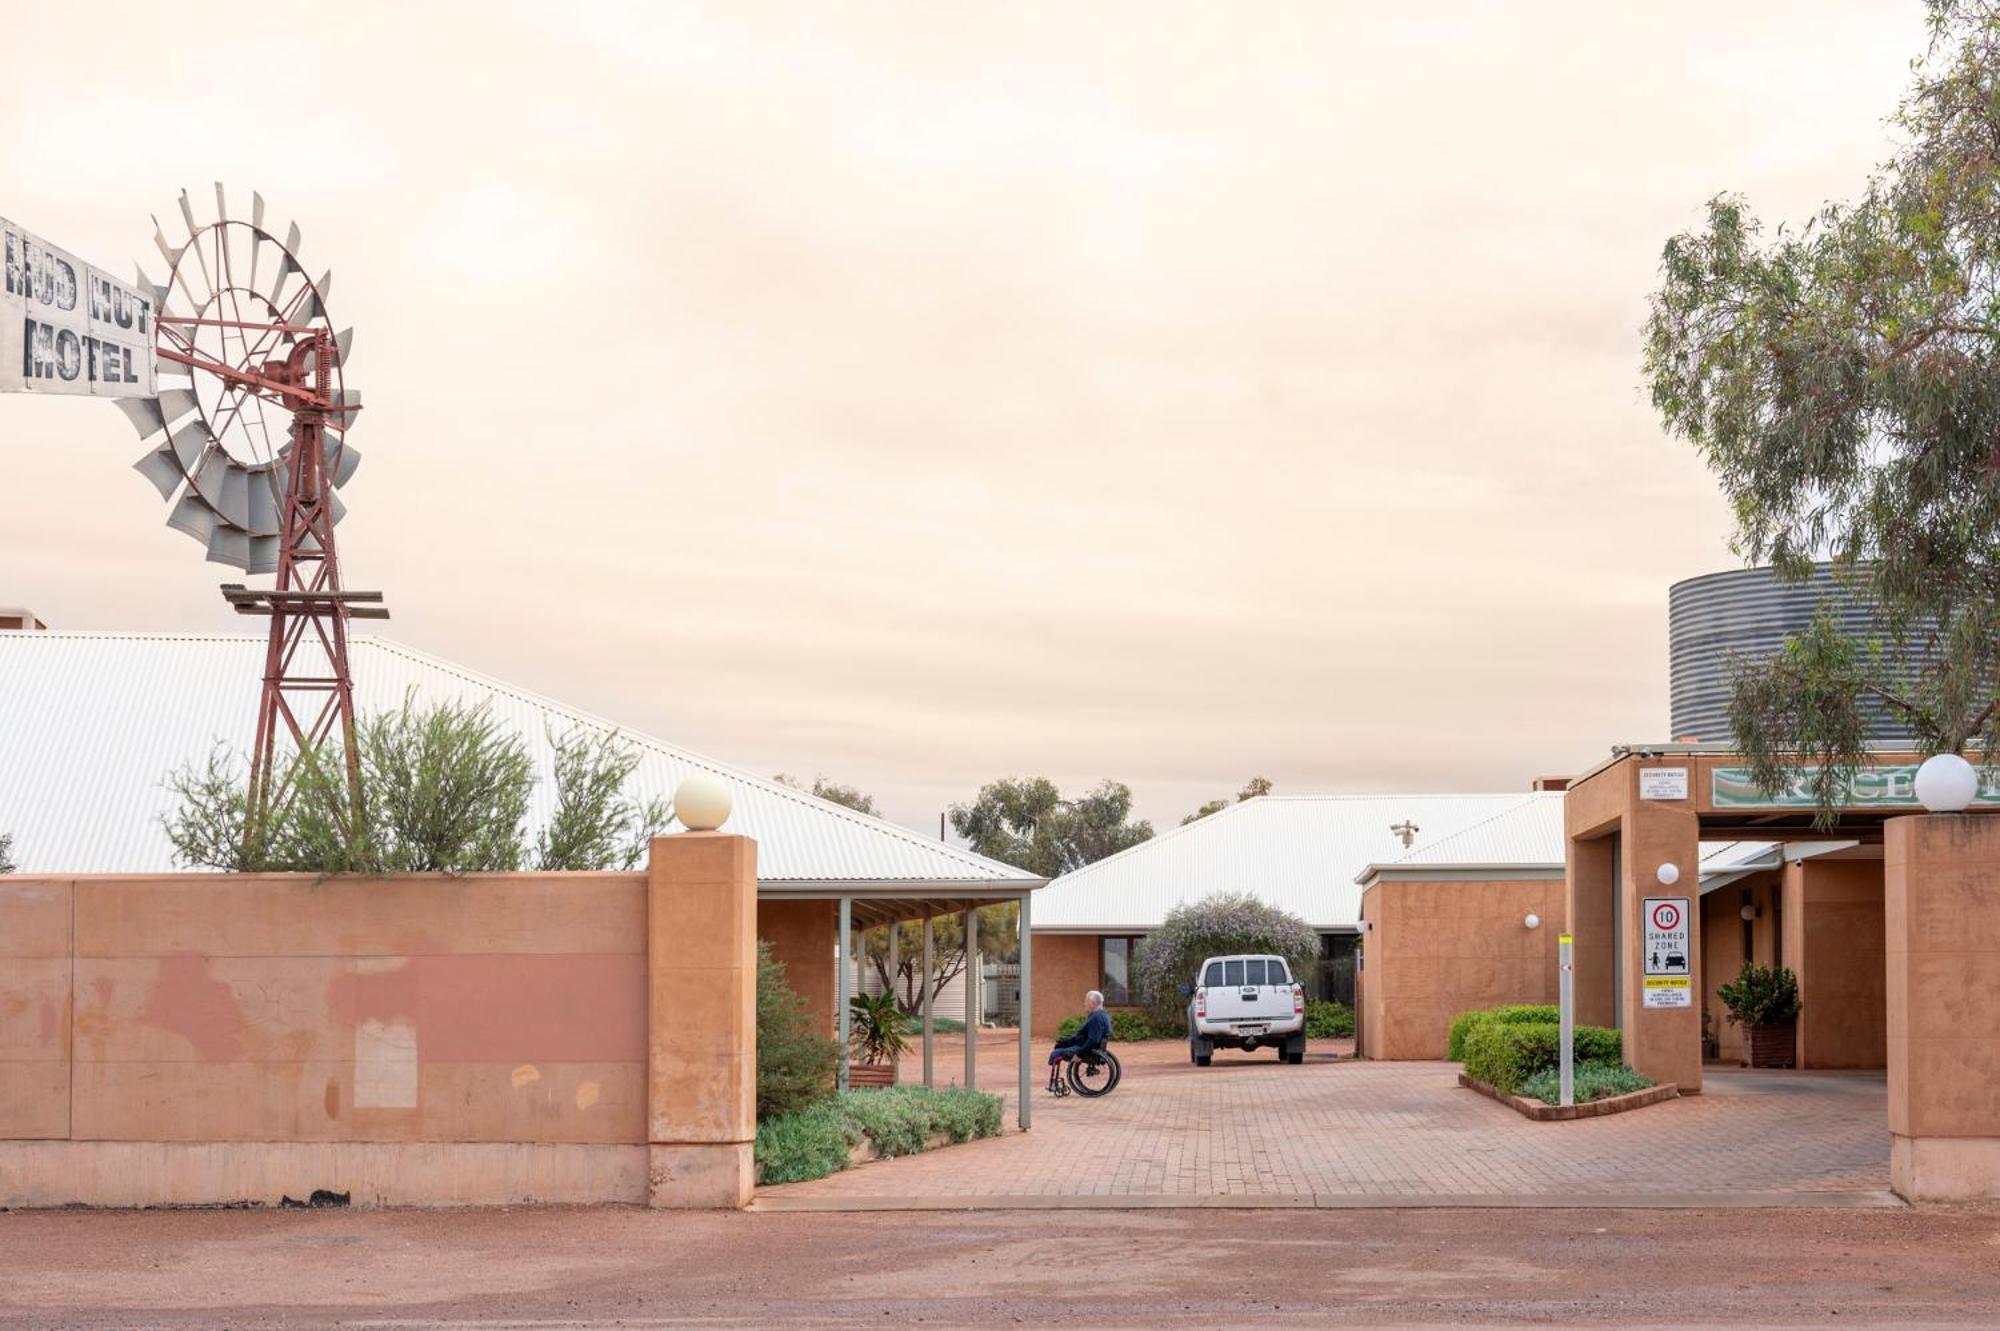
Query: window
1117, 957
1232, 973
1214, 977
1253, 971
1274, 973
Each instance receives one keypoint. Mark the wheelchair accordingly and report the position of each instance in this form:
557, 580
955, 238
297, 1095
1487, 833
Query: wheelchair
1088, 1074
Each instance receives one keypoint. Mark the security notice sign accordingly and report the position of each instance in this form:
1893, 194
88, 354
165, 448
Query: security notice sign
66, 327
1669, 968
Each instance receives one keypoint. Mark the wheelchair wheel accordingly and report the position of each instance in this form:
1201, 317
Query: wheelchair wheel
1094, 1074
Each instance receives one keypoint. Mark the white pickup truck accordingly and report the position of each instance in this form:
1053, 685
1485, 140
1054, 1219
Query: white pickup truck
1243, 1002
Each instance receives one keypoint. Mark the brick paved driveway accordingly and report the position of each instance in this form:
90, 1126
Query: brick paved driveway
1336, 1128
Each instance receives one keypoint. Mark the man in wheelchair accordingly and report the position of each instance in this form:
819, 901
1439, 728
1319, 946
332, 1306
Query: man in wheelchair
1091, 1067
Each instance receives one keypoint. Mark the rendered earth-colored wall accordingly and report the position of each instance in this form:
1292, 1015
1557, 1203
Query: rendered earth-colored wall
1436, 949
801, 935
1067, 966
207, 1038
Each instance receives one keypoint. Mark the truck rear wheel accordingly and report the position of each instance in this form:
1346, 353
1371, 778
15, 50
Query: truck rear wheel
1200, 1051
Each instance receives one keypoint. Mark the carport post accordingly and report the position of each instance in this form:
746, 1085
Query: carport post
971, 973
1566, 1012
1027, 988
844, 963
928, 1081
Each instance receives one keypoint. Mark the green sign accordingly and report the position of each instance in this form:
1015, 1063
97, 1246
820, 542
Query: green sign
1872, 788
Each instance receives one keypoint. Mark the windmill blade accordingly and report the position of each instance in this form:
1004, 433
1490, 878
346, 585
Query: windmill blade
207, 477
324, 287
256, 210
160, 467
263, 504
346, 407
151, 288
342, 460
193, 517
178, 402
309, 309
144, 413
187, 211
221, 208
189, 442
234, 502
229, 545
335, 507
292, 240
343, 344
263, 555
171, 253
286, 267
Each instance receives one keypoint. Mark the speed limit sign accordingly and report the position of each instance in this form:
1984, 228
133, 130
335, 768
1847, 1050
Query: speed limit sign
1669, 975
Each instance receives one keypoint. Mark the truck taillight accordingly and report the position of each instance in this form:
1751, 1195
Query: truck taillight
1298, 999
1201, 1002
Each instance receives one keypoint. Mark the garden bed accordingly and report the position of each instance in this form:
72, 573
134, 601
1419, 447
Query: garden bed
1546, 1113
857, 1126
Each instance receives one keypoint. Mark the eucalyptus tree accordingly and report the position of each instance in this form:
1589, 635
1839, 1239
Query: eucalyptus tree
1842, 380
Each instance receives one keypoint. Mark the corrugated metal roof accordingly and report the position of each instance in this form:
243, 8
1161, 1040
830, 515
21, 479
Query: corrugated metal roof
1300, 852
1527, 835
92, 723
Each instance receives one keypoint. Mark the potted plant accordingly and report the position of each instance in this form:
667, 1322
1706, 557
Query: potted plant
1764, 1000
875, 1039
1711, 1040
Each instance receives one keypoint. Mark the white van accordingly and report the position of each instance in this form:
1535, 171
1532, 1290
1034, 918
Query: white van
1243, 1002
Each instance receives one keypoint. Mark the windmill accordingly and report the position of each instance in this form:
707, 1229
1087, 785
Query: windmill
242, 398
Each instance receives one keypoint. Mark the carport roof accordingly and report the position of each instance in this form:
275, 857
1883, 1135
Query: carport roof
1299, 852
91, 724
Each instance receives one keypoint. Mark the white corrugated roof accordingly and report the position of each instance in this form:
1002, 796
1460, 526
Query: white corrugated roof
92, 723
1526, 835
1300, 852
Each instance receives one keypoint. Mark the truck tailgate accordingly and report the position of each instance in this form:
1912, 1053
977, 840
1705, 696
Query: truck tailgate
1248, 994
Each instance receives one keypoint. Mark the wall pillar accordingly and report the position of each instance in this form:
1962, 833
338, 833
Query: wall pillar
701, 1072
1663, 1043
1941, 912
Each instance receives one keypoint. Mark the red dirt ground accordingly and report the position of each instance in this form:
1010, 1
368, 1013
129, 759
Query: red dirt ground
632, 1268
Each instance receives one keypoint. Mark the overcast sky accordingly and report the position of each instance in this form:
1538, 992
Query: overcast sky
920, 393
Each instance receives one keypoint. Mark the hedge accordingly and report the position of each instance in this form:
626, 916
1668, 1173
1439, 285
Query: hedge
1506, 1014
900, 1120
1506, 1054
1129, 1027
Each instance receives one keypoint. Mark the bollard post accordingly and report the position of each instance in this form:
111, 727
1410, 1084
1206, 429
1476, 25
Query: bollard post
1566, 999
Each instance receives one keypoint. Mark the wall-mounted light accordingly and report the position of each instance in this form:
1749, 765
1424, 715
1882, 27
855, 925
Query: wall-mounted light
1532, 920
1669, 873
1749, 912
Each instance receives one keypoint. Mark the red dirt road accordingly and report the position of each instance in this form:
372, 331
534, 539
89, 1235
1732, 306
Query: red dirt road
1264, 1269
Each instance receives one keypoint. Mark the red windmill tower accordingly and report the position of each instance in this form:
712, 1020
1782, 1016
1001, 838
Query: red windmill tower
253, 411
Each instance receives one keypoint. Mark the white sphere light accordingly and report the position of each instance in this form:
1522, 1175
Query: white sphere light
1670, 873
1532, 920
1946, 783
702, 803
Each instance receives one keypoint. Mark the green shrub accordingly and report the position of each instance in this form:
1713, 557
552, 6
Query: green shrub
1505, 1014
1506, 1054
1593, 1081
795, 1062
900, 1120
805, 1144
1127, 1025
1327, 1021
1761, 995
